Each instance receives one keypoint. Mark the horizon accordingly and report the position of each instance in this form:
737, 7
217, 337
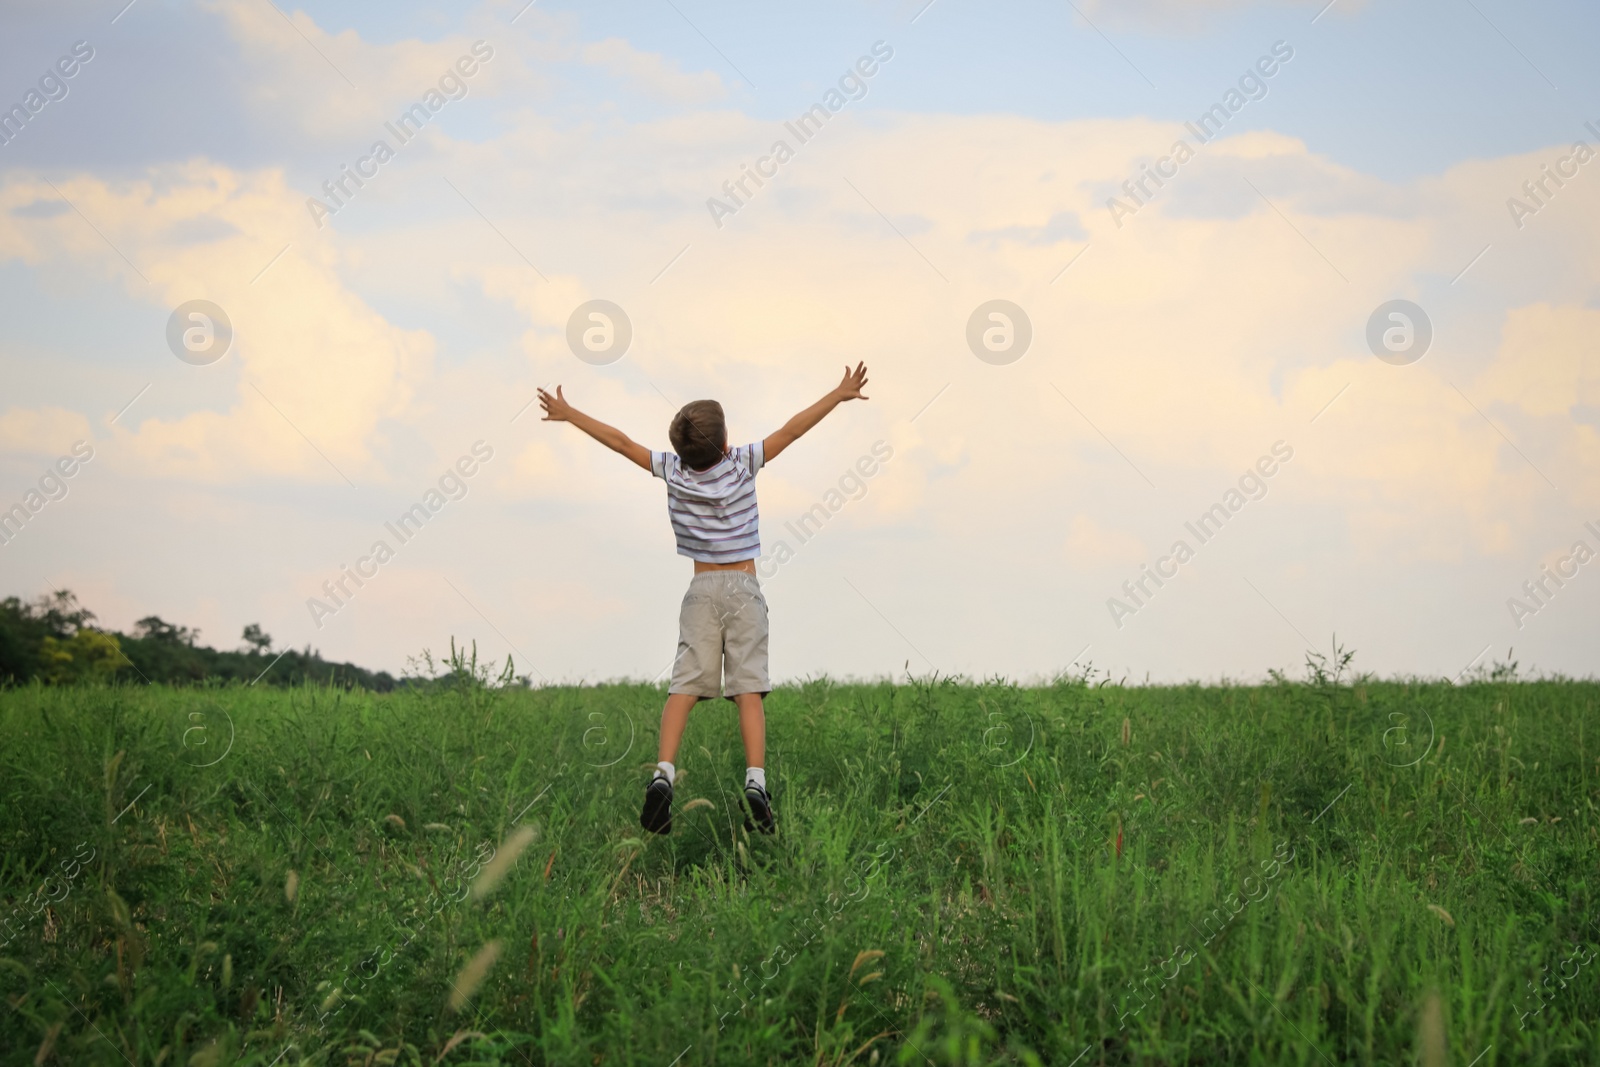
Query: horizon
1346, 672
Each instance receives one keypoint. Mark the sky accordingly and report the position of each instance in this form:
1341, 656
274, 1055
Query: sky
1201, 334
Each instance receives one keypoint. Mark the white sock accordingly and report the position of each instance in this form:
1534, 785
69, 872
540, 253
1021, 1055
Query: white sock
755, 776
666, 770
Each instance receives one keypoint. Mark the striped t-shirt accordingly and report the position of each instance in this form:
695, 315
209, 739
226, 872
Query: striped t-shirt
713, 511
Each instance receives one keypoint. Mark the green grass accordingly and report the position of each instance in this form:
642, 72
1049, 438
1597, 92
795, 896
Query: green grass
968, 832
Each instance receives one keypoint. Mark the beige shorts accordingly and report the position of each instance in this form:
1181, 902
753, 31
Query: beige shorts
722, 637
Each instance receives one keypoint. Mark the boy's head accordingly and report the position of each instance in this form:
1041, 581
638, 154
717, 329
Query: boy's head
699, 434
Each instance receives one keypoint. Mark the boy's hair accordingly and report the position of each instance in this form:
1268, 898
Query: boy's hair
699, 433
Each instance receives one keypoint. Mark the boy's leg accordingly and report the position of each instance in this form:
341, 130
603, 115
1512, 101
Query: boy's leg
745, 652
674, 717
695, 672
753, 728
696, 669
657, 813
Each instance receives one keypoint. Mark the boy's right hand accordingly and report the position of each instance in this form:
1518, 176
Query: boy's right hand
852, 384
556, 408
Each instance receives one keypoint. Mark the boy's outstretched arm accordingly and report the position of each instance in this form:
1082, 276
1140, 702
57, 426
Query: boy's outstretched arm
556, 409
848, 389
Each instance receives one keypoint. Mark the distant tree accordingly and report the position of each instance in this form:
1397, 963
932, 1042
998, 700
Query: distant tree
20, 635
25, 626
259, 642
155, 628
88, 655
50, 639
61, 612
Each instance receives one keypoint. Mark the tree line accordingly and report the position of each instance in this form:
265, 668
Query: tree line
53, 640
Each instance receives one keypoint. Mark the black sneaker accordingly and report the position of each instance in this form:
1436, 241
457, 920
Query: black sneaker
759, 806
657, 814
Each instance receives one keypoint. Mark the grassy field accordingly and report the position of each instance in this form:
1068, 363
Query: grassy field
1298, 873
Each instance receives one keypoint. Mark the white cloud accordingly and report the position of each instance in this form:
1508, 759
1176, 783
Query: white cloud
49, 431
652, 73
333, 367
339, 85
1168, 335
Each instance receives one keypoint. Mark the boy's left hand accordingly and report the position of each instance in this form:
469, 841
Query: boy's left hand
556, 408
852, 384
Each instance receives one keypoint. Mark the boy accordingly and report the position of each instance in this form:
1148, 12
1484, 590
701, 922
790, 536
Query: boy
722, 624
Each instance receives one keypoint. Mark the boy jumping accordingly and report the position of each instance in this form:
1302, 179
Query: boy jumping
722, 625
